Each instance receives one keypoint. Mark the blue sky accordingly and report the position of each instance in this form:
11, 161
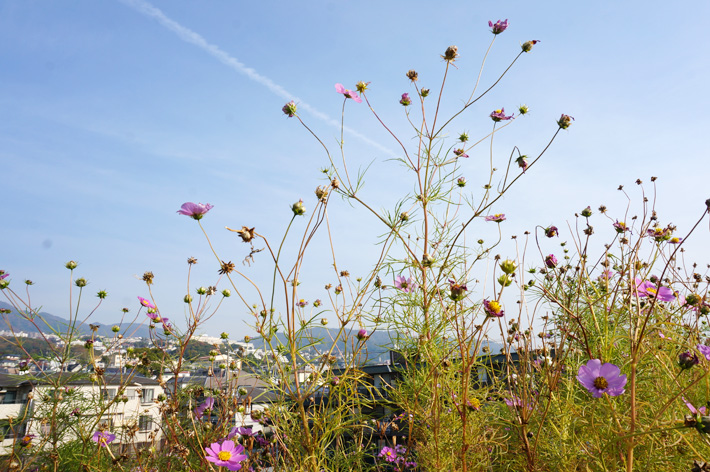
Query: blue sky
114, 113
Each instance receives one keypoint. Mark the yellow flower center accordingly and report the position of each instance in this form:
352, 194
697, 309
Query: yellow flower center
389, 453
601, 383
499, 111
475, 403
494, 306
224, 455
651, 291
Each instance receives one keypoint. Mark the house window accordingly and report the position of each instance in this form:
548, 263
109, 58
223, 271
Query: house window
147, 395
145, 422
108, 394
45, 428
10, 396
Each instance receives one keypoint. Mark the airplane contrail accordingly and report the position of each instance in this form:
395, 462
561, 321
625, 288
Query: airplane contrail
196, 39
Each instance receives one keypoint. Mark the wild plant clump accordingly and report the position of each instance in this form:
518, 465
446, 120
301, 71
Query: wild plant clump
567, 354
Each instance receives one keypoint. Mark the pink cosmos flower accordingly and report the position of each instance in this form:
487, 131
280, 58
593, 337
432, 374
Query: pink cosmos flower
348, 93
499, 115
460, 153
406, 101
195, 210
601, 378
146, 303
3, 275
551, 261
362, 335
704, 350
696, 411
226, 455
302, 303
405, 285
208, 404
103, 438
499, 26
498, 217
650, 290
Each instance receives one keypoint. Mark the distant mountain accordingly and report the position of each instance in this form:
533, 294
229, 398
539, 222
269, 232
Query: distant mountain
378, 345
47, 321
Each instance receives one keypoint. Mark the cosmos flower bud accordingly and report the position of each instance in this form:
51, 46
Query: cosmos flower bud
361, 86
692, 299
551, 231
102, 294
321, 192
404, 216
115, 328
226, 293
317, 303
587, 212
505, 280
508, 266
565, 121
528, 45
247, 339
406, 101
362, 335
298, 208
71, 265
224, 335
201, 291
324, 321
187, 298
427, 260
461, 182
523, 109
289, 109
80, 282
686, 360
424, 93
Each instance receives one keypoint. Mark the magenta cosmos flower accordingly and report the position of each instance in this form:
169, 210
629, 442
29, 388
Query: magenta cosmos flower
102, 438
493, 308
226, 455
146, 303
551, 261
406, 101
498, 217
405, 285
601, 378
362, 335
195, 210
498, 27
650, 290
499, 115
348, 93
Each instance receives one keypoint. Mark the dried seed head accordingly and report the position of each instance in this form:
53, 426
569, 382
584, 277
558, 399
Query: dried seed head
451, 54
226, 267
148, 277
412, 75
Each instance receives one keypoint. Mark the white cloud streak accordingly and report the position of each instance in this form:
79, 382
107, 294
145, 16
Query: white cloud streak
233, 63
